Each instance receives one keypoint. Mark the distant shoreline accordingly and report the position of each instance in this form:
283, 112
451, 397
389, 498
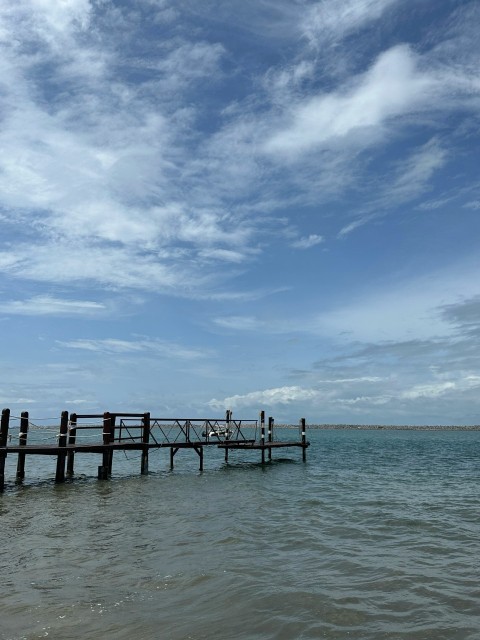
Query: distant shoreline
386, 427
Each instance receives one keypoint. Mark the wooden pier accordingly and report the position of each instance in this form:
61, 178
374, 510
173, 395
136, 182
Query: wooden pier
105, 433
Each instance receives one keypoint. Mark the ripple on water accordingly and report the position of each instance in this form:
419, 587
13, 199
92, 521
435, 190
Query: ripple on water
375, 538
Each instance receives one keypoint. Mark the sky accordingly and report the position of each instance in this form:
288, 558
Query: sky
244, 205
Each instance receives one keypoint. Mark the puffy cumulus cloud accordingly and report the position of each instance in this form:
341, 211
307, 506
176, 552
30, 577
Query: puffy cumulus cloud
366, 400
267, 397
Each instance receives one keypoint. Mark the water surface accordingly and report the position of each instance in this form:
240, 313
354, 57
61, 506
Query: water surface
375, 537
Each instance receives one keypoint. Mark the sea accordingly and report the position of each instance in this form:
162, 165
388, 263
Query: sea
376, 536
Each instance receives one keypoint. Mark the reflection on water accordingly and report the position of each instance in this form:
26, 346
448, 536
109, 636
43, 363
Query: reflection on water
375, 537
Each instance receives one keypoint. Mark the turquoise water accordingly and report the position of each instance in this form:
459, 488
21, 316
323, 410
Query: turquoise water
375, 537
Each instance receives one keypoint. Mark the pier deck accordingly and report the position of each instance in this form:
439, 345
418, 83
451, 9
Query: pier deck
110, 432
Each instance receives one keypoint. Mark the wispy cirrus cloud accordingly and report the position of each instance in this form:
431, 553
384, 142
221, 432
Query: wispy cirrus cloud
308, 241
109, 147
329, 21
393, 86
141, 345
239, 323
410, 178
100, 158
45, 305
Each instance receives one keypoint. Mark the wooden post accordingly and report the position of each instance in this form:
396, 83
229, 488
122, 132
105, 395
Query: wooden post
262, 434
228, 420
71, 440
22, 441
111, 440
226, 455
103, 468
199, 450
62, 454
270, 436
3, 445
173, 451
145, 440
304, 440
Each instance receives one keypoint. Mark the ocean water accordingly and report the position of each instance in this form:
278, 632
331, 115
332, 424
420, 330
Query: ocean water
376, 536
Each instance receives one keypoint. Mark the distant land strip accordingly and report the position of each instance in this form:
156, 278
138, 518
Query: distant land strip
405, 427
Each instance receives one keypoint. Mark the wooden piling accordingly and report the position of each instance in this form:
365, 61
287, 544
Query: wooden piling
304, 439
270, 436
72, 437
22, 441
62, 454
262, 435
199, 451
3, 445
173, 451
111, 439
145, 440
103, 469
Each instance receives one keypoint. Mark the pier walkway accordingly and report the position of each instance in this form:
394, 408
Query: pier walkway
109, 432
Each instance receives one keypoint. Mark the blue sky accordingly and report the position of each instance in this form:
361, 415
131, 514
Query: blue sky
247, 205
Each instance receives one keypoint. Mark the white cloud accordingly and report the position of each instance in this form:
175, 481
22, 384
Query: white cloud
343, 381
145, 345
356, 224
103, 162
348, 401
392, 87
414, 173
308, 241
411, 178
473, 204
240, 323
51, 18
458, 383
111, 150
267, 397
49, 305
428, 390
226, 255
330, 20
363, 400
111, 266
191, 61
